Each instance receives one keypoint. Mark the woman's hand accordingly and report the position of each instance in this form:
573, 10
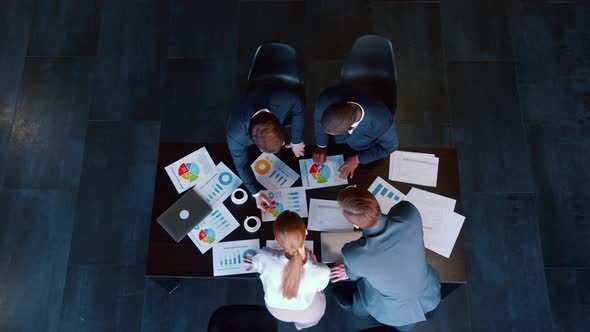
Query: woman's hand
248, 261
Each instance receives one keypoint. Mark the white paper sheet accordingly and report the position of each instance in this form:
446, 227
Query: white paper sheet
274, 245
216, 226
228, 257
332, 244
326, 216
413, 168
193, 170
432, 208
327, 175
292, 199
273, 173
386, 194
220, 186
443, 241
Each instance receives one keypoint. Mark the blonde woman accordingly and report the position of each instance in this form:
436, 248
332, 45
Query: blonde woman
292, 278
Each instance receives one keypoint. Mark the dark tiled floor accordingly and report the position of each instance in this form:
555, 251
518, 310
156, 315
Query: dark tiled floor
506, 83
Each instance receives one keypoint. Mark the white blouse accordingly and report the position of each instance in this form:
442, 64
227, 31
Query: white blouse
271, 263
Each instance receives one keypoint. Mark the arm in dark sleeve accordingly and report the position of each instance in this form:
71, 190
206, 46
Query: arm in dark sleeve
386, 144
350, 270
297, 120
239, 154
348, 258
321, 138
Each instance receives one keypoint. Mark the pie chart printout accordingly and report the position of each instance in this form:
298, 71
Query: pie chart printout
189, 171
207, 235
320, 173
276, 208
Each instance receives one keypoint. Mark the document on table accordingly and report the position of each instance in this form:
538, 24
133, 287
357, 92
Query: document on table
440, 224
332, 244
327, 175
220, 186
414, 168
228, 257
443, 241
274, 245
273, 173
193, 170
216, 226
292, 199
386, 194
326, 216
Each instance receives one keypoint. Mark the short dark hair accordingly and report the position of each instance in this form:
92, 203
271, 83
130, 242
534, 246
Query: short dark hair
266, 132
338, 117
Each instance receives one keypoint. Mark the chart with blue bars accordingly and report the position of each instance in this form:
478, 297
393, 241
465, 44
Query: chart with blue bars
278, 178
380, 190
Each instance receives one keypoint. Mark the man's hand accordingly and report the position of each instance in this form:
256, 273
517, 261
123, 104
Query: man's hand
347, 169
263, 202
338, 272
298, 150
320, 155
248, 261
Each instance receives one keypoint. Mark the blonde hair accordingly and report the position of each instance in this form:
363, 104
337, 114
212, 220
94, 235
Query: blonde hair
359, 207
289, 231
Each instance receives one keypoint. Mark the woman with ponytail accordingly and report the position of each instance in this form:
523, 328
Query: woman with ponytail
292, 278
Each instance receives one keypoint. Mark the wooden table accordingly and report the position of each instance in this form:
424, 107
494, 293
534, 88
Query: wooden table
166, 258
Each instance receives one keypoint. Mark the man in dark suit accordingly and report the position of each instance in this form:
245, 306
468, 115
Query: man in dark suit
357, 118
259, 119
394, 282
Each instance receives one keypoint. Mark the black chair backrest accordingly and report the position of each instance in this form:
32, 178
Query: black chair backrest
244, 318
371, 64
275, 63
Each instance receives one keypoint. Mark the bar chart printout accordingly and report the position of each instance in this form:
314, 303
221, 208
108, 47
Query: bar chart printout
292, 199
386, 194
228, 257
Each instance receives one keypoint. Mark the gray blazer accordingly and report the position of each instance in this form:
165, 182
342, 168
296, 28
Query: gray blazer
395, 284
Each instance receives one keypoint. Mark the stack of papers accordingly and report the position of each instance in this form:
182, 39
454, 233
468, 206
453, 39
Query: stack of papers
413, 167
440, 224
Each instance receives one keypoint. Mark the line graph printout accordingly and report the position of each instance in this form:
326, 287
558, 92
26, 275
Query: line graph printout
273, 173
192, 170
326, 175
292, 199
216, 226
220, 186
326, 216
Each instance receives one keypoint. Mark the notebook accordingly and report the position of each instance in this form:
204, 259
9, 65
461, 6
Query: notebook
186, 213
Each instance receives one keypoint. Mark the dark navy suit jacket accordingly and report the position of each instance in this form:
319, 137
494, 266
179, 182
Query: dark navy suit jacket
374, 138
283, 103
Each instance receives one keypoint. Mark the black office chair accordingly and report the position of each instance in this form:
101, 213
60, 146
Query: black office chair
371, 64
275, 63
244, 318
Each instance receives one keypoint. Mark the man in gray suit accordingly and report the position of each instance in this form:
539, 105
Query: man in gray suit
394, 282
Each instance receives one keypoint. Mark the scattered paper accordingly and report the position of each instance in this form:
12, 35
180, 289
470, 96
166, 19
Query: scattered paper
386, 194
417, 168
440, 224
332, 243
292, 199
220, 186
443, 241
193, 170
274, 245
273, 173
228, 257
214, 228
326, 216
327, 175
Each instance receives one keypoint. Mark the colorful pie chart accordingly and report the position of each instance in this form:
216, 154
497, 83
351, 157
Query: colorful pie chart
247, 252
189, 171
320, 173
207, 235
276, 208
